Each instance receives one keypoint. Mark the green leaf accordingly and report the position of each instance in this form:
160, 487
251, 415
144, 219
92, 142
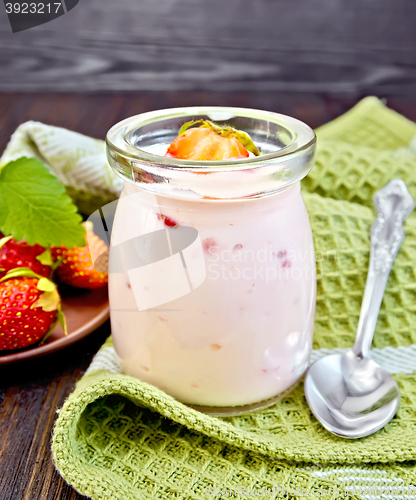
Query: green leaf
46, 285
246, 141
20, 272
48, 333
48, 301
62, 320
4, 240
186, 125
57, 263
45, 258
60, 317
35, 207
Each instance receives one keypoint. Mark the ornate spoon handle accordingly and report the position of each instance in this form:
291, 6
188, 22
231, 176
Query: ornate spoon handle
393, 204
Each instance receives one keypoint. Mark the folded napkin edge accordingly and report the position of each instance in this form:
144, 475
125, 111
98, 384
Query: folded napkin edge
100, 384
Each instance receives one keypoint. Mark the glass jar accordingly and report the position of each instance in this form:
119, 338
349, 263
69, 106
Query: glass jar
212, 269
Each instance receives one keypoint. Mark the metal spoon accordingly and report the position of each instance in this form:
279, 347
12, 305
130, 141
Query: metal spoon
350, 394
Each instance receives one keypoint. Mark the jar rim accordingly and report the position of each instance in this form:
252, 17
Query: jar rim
118, 138
287, 148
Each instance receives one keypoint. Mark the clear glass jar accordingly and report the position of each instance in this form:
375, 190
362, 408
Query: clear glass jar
212, 269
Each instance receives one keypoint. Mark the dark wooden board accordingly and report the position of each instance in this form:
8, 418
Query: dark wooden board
31, 392
235, 45
94, 114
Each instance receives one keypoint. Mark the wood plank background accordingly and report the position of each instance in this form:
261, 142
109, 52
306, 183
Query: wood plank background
327, 46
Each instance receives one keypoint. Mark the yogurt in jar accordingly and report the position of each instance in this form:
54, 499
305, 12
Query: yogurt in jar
239, 330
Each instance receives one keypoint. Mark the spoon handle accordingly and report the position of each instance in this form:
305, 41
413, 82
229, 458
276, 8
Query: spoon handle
393, 204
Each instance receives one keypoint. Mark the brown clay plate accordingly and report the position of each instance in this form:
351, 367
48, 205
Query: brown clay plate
85, 311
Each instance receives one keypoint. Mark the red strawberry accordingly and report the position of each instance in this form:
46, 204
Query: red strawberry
77, 267
210, 142
19, 254
28, 309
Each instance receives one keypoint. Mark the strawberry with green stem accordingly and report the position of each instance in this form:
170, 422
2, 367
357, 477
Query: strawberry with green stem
20, 254
30, 307
211, 142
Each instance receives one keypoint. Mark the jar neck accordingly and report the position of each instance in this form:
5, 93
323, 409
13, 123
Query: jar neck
281, 196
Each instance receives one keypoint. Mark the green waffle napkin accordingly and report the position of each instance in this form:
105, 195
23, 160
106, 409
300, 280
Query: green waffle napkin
119, 438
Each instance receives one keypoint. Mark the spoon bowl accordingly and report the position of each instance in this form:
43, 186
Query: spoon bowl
351, 396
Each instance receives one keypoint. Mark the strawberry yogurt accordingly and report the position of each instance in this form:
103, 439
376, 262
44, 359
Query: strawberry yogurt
212, 298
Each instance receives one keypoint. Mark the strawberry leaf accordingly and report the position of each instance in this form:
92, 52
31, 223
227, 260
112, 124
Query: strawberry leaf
48, 301
62, 320
187, 125
20, 272
57, 263
46, 285
60, 317
4, 240
48, 333
35, 207
45, 258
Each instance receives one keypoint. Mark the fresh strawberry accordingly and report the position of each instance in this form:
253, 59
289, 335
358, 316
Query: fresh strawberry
77, 267
29, 308
19, 254
203, 144
210, 142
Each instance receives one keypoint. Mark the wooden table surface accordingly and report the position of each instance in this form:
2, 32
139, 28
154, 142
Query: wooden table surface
30, 392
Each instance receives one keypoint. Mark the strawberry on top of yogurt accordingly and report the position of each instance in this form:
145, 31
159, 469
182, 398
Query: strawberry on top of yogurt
203, 140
